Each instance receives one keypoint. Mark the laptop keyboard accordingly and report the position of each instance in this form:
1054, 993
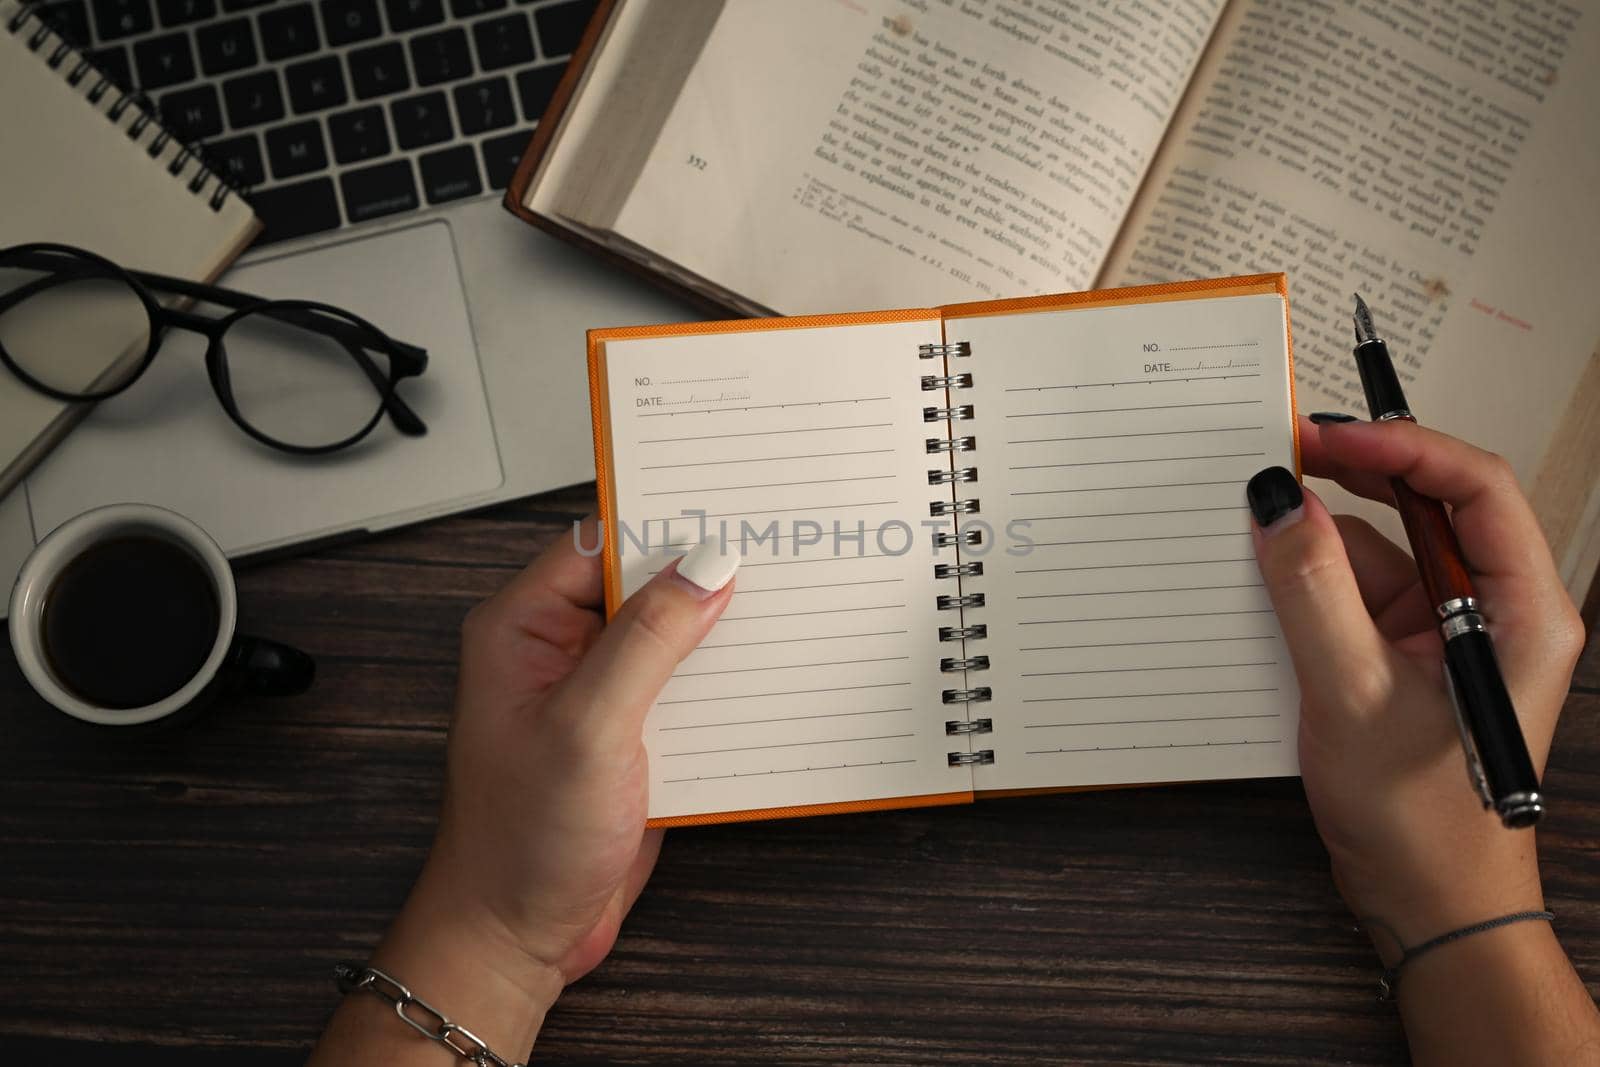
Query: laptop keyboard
335, 112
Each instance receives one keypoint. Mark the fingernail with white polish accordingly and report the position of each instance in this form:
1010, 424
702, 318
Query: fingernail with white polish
708, 567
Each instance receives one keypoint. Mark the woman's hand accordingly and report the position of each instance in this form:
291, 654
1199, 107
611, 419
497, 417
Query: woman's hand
541, 848
1414, 852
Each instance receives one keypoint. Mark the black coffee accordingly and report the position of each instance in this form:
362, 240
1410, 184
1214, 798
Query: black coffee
130, 621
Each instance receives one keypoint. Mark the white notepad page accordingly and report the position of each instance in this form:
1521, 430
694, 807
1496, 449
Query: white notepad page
1133, 642
820, 684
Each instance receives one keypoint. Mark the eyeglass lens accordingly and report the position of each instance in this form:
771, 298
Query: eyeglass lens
296, 384
82, 329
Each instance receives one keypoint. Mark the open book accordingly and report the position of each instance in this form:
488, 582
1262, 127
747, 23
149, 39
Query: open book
987, 547
768, 156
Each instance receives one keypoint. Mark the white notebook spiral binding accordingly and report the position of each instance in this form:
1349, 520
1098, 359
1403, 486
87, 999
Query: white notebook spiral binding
957, 475
100, 92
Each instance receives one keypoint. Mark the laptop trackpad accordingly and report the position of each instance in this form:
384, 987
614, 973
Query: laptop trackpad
167, 441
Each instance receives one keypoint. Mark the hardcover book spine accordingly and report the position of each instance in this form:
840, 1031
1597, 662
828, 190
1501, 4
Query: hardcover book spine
957, 473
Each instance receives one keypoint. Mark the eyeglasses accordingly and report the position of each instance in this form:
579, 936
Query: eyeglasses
296, 375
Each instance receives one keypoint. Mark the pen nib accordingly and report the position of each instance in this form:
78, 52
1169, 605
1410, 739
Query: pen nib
1364, 328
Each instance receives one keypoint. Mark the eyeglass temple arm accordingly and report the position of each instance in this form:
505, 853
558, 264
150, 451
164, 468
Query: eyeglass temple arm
22, 292
415, 359
405, 419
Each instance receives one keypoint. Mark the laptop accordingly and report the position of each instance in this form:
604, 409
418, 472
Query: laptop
374, 138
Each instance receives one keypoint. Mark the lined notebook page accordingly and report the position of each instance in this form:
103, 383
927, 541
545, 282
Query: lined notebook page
820, 684
1133, 641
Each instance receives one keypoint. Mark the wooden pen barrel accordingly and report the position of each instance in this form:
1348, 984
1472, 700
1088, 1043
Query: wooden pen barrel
1433, 543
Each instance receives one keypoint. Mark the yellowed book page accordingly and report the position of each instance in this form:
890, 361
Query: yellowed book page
802, 449
1129, 635
946, 150
1441, 159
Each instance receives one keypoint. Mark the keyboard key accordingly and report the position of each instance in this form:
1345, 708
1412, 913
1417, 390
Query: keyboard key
348, 21
359, 135
193, 114
252, 99
183, 12
483, 106
296, 210
536, 86
226, 46
121, 18
70, 19
503, 42
413, 14
381, 190
164, 60
450, 174
561, 25
242, 5
237, 159
379, 70
113, 63
421, 120
287, 32
440, 57
502, 154
296, 149
462, 9
315, 84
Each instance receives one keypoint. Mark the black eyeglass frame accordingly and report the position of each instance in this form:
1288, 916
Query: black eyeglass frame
353, 333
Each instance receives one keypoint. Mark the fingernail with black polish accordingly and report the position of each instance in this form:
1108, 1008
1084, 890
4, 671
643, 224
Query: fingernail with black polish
1273, 494
1323, 417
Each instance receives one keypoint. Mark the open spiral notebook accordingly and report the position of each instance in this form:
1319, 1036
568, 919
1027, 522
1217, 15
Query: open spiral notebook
987, 547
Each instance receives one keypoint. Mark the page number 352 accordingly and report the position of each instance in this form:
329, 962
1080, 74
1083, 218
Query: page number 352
696, 162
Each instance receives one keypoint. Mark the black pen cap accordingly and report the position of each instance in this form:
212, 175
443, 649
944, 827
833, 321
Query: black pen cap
1378, 379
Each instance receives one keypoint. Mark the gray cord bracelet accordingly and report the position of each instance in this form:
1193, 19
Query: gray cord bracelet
1391, 975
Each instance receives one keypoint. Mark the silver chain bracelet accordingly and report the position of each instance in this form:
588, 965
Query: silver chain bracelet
418, 1014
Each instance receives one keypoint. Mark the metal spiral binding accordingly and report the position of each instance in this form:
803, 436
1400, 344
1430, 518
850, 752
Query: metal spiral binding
964, 633
951, 444
147, 116
956, 727
958, 348
960, 474
954, 475
962, 537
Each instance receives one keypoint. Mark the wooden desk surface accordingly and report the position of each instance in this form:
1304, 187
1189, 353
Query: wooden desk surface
193, 891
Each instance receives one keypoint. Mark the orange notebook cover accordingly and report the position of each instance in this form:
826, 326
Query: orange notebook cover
949, 321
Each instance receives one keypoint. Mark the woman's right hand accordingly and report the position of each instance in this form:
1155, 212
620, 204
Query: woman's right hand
1414, 852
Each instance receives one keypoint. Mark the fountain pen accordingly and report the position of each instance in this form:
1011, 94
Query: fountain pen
1497, 756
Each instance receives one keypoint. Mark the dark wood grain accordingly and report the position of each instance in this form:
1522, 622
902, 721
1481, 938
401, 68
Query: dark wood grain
189, 891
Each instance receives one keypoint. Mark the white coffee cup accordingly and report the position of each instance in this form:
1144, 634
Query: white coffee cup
261, 666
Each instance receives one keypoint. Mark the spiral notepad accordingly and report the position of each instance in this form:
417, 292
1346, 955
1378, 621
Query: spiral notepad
986, 548
88, 163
